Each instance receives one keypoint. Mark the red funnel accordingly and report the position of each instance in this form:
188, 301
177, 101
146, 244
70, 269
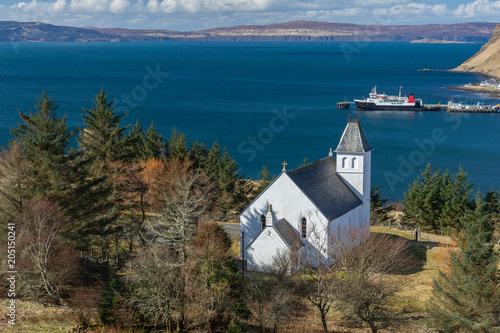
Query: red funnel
411, 99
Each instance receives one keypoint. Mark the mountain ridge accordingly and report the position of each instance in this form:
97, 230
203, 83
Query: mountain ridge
11, 31
487, 60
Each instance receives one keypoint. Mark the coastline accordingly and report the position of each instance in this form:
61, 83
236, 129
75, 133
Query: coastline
495, 93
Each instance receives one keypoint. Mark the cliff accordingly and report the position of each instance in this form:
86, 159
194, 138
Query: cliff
288, 31
487, 59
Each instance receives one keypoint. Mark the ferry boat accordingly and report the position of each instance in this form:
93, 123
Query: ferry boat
393, 103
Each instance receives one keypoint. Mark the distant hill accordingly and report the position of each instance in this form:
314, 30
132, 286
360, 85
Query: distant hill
288, 31
487, 60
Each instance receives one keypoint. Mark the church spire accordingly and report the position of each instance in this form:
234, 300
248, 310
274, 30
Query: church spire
354, 139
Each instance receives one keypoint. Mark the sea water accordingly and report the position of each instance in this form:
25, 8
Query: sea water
269, 102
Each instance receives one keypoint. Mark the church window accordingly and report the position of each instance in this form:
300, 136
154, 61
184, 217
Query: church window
354, 163
344, 163
304, 227
262, 221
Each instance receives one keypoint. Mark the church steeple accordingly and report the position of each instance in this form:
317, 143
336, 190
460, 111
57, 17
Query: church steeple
354, 162
354, 139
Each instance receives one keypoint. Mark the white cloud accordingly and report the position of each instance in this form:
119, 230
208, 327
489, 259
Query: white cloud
118, 6
200, 14
478, 8
418, 9
86, 6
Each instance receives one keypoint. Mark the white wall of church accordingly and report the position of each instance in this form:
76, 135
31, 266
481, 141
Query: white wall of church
358, 178
352, 219
367, 174
258, 253
351, 166
287, 201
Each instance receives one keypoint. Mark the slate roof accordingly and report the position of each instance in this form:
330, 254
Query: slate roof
354, 139
289, 235
321, 183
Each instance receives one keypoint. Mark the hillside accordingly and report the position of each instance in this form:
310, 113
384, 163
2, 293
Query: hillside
487, 60
288, 31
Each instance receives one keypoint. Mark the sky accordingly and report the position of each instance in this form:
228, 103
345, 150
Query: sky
191, 15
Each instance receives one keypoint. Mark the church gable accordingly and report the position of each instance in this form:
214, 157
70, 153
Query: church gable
288, 201
269, 241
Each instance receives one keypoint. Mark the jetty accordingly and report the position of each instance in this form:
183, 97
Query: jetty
471, 108
344, 105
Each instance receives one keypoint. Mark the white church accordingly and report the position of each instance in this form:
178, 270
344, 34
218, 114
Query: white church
327, 195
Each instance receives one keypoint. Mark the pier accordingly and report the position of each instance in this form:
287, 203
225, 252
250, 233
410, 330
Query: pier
344, 105
451, 107
471, 108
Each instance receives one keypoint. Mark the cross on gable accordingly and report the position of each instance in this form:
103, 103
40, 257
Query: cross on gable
284, 165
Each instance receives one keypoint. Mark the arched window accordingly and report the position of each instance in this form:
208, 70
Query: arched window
304, 227
354, 163
262, 221
344, 163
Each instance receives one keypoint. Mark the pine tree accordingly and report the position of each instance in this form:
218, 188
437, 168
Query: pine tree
457, 191
264, 178
62, 174
424, 200
467, 298
213, 160
198, 154
176, 146
153, 143
103, 137
492, 202
134, 141
378, 212
44, 141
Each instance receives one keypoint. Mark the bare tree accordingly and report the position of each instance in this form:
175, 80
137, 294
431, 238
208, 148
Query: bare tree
155, 281
270, 301
186, 196
346, 269
365, 293
318, 275
209, 272
47, 264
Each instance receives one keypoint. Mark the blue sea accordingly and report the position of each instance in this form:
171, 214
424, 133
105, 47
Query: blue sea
269, 102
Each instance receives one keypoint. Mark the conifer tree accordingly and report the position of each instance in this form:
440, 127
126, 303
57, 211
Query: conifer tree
134, 141
466, 299
176, 146
213, 160
198, 155
233, 189
424, 200
62, 174
378, 211
492, 202
153, 143
103, 137
44, 141
457, 191
264, 179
